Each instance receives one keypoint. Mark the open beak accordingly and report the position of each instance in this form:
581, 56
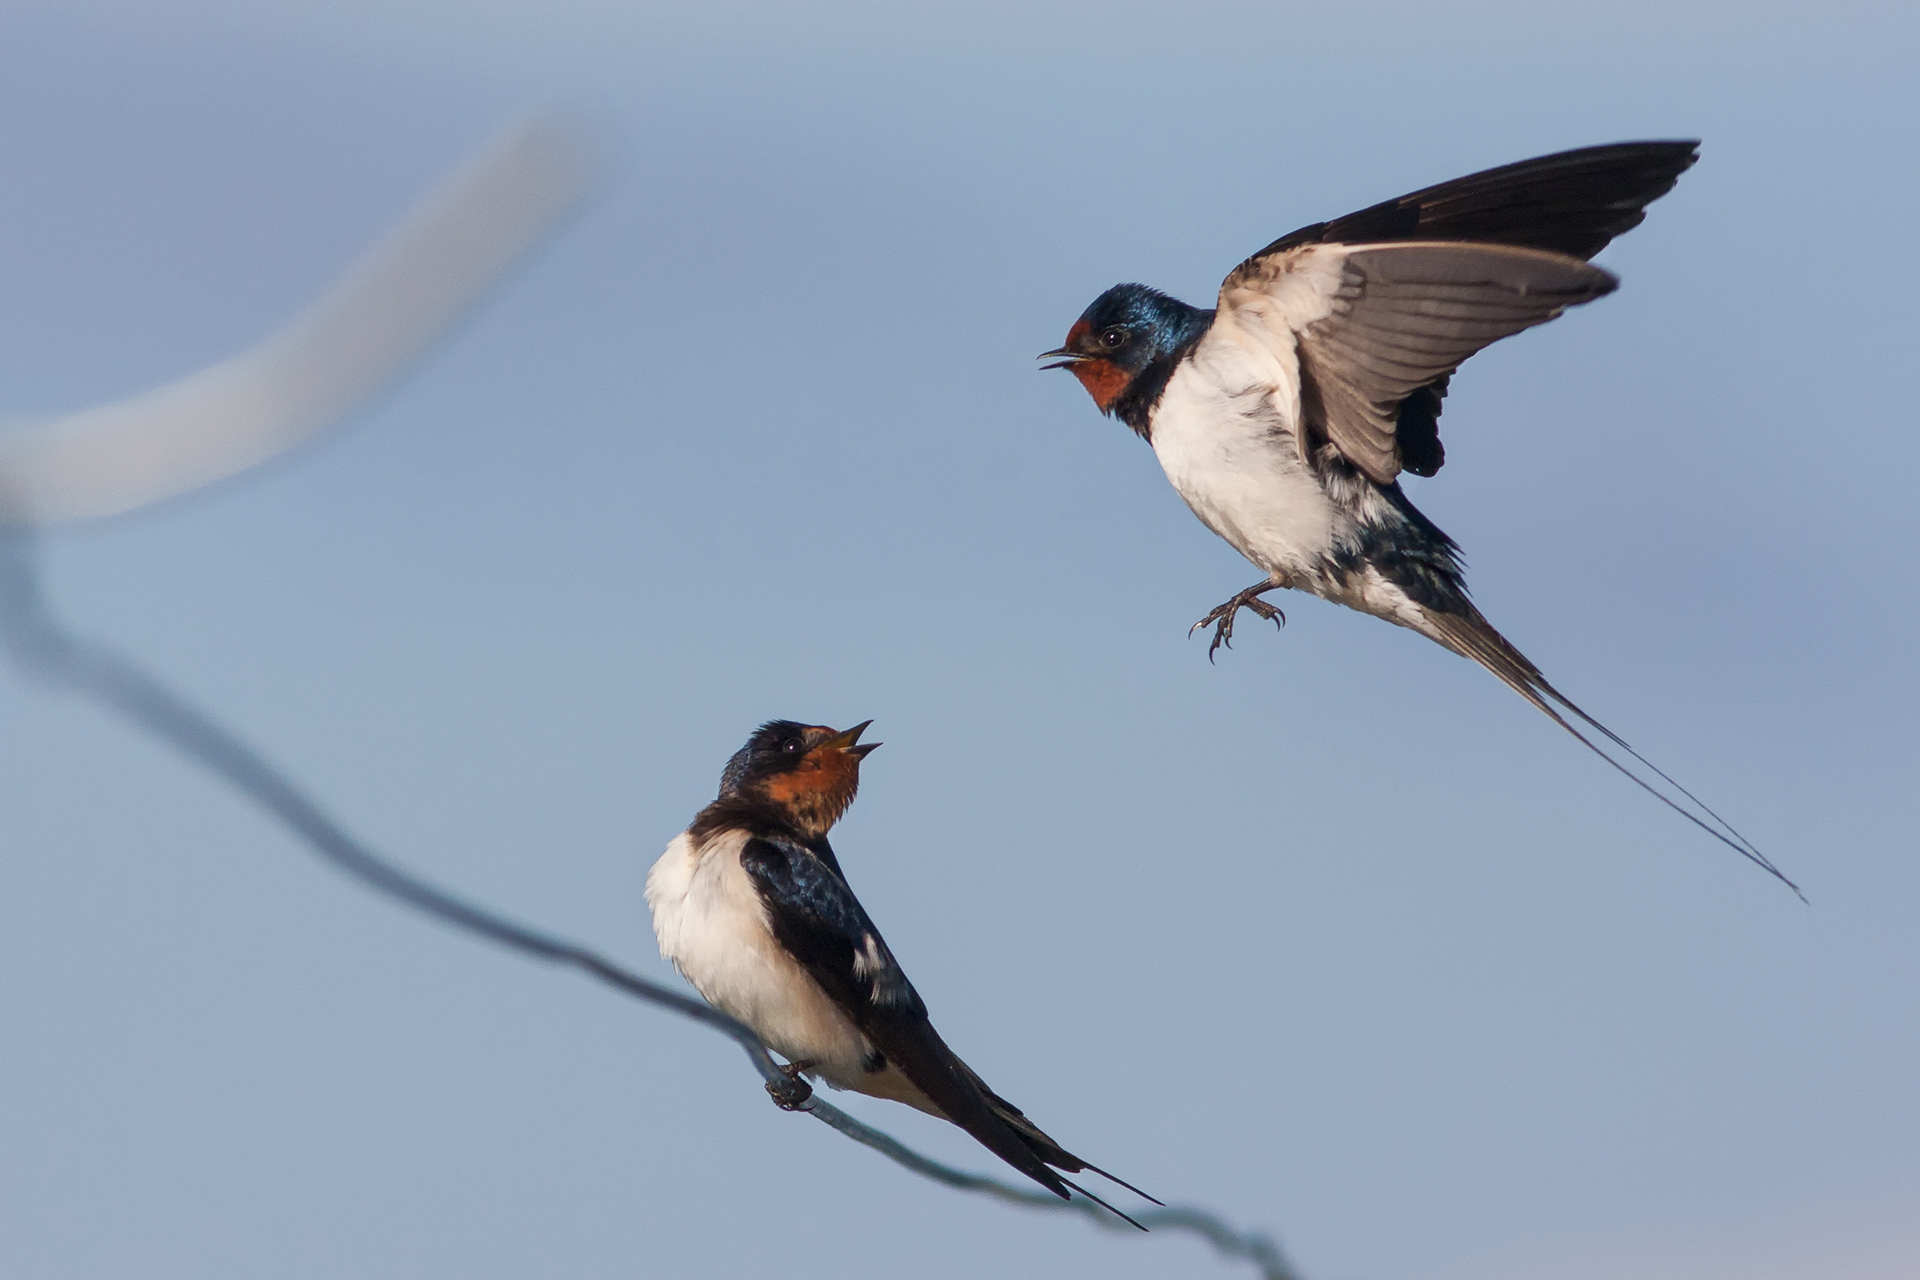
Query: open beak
1066, 358
847, 740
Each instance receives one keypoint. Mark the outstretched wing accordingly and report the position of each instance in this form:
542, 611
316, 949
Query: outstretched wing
815, 916
1373, 325
1572, 202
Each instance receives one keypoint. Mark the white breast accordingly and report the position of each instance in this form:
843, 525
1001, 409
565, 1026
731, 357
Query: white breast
712, 925
1226, 432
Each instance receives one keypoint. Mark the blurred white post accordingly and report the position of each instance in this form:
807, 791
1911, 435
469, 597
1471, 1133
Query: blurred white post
326, 362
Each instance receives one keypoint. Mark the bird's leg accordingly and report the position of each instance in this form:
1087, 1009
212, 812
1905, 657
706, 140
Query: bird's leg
793, 1093
1221, 619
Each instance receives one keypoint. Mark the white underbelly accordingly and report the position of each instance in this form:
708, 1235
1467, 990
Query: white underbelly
1235, 462
712, 926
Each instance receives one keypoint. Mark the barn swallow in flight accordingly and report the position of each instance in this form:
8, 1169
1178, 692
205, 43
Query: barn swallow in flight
1285, 415
751, 906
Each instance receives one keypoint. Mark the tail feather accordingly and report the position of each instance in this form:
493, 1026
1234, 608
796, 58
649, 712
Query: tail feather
963, 1098
1471, 636
1046, 1150
1126, 1217
1052, 1152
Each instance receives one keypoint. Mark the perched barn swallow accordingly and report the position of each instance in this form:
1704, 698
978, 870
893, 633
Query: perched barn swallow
750, 905
1285, 415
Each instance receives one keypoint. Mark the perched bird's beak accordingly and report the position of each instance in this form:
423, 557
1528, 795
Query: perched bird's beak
846, 739
1069, 358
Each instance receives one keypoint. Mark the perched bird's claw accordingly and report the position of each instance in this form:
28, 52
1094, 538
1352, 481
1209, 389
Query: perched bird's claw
1221, 619
792, 1093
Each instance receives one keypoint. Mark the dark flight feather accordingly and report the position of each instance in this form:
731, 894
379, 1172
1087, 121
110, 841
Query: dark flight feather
1405, 316
1571, 202
815, 916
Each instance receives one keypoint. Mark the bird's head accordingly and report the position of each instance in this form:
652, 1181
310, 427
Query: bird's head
1125, 330
806, 770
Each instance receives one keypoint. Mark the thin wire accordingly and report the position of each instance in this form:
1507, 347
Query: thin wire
41, 647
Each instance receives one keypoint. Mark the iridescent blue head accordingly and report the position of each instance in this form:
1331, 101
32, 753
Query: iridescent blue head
1124, 347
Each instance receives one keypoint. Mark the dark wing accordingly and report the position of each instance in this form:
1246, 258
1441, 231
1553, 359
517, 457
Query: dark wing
818, 920
1417, 429
1572, 202
815, 916
1375, 324
824, 851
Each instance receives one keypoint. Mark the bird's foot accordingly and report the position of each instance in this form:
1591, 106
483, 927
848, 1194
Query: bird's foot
1221, 619
792, 1093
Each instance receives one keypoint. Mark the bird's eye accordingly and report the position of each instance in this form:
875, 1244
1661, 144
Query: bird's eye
790, 746
1113, 338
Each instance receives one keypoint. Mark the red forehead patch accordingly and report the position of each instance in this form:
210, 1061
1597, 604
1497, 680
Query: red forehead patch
1076, 333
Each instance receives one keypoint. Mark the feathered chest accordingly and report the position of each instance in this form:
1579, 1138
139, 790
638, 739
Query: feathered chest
722, 932
708, 917
1227, 433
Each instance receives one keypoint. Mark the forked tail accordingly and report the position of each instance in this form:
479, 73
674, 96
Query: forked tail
1472, 636
1049, 1152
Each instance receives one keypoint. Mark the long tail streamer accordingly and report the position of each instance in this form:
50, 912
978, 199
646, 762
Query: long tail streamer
1472, 636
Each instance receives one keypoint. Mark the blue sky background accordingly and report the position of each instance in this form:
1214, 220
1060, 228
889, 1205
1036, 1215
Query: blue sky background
1337, 936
